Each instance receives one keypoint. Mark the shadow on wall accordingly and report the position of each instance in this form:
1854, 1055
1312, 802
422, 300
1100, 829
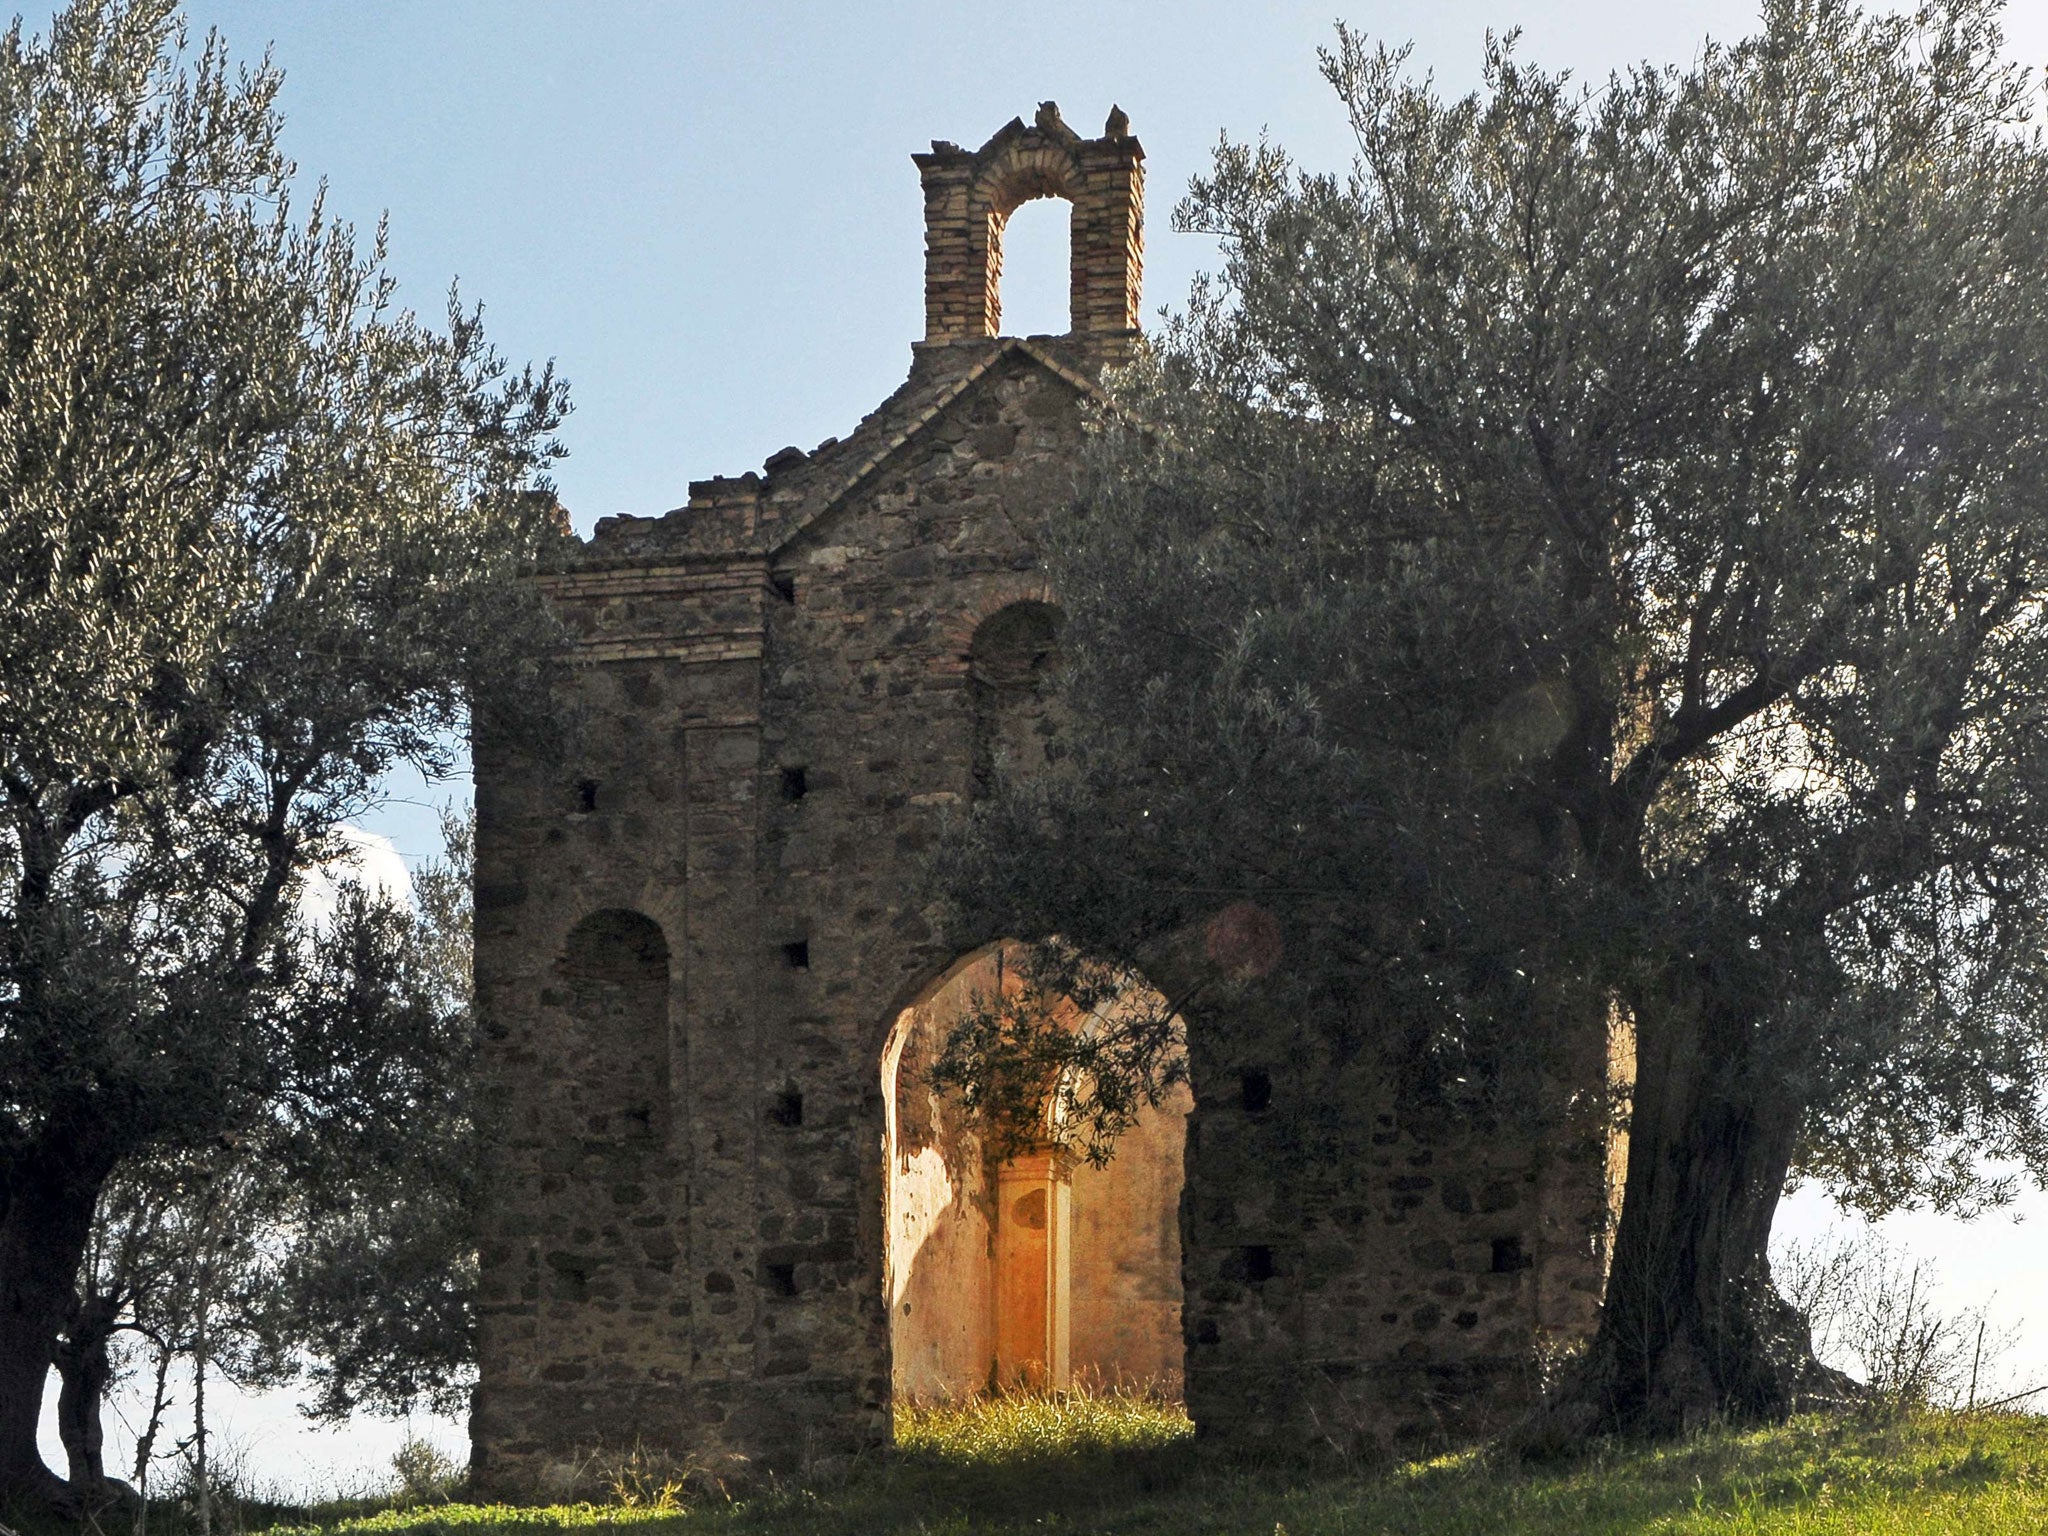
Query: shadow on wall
1032, 1272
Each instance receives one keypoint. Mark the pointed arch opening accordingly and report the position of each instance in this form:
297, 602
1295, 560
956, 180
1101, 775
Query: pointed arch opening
1036, 1271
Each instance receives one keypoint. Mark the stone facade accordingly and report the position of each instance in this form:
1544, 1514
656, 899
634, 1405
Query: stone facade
698, 935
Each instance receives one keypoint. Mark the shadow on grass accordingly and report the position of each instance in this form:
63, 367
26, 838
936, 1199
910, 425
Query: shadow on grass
1014, 1466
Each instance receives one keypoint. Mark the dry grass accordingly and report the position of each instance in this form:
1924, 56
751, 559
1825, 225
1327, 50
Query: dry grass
996, 1430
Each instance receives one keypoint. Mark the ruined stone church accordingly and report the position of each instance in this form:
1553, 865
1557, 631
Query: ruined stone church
727, 1216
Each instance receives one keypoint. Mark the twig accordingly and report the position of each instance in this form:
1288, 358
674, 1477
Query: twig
2001, 1402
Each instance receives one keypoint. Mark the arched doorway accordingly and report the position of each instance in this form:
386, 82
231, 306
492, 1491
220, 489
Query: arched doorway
1038, 1271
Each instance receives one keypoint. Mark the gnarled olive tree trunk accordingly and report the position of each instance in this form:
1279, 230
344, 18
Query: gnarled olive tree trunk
51, 1189
85, 1370
1693, 1328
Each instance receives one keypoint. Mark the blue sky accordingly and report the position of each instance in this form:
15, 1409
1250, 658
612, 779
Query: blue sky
707, 215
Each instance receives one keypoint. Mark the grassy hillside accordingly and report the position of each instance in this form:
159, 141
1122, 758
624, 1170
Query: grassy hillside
1099, 1466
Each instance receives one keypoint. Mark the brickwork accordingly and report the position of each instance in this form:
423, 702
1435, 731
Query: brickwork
970, 194
696, 930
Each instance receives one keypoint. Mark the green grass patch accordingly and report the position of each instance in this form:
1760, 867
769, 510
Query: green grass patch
1105, 1464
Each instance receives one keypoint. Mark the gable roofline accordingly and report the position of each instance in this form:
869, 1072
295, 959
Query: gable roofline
908, 431
759, 514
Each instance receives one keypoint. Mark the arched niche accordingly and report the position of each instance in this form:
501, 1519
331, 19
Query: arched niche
605, 1210
614, 975
1013, 662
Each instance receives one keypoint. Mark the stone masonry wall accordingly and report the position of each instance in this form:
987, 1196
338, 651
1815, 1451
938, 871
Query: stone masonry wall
1371, 1276
769, 814
611, 1302
1381, 1280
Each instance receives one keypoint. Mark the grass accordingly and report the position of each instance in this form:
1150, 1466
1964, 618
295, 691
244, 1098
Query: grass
1107, 1464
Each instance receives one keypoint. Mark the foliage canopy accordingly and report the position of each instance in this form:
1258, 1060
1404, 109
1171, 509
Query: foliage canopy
1591, 554
260, 530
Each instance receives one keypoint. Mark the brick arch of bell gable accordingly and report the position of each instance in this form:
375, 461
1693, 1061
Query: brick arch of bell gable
1025, 173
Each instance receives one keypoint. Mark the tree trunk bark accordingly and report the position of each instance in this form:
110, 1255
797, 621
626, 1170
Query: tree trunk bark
53, 1189
1693, 1328
83, 1375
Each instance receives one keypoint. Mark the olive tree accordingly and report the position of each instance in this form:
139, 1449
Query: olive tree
260, 531
1592, 554
272, 1258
